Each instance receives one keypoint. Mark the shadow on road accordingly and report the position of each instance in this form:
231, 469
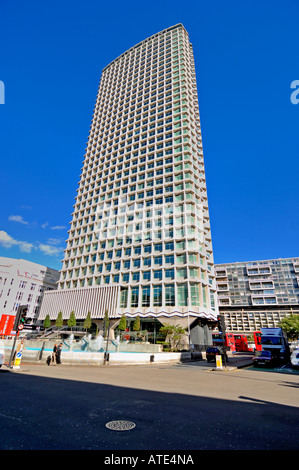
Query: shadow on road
48, 413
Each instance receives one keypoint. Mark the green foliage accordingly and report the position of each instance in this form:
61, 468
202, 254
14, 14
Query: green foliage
174, 334
123, 323
136, 324
106, 324
72, 320
59, 320
47, 322
290, 324
87, 322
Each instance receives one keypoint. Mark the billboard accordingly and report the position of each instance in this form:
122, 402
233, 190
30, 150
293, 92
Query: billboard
6, 324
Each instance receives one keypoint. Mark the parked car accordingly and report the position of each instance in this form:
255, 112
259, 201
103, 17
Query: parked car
295, 359
214, 351
265, 358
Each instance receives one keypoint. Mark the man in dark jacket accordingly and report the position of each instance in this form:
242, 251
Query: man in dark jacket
58, 353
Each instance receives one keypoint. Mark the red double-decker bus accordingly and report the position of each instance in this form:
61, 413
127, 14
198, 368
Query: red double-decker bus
257, 340
242, 343
229, 341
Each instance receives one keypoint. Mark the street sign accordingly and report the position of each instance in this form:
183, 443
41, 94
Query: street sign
18, 358
218, 361
21, 327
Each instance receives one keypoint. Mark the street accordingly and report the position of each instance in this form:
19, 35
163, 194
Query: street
173, 408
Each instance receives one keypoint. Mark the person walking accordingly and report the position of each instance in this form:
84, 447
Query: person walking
53, 357
58, 353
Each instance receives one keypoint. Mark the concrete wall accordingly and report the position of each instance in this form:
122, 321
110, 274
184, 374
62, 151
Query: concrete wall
36, 352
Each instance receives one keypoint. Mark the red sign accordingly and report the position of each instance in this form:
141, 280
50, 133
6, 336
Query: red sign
6, 324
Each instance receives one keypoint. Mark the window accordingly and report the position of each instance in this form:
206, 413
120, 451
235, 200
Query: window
182, 273
194, 289
157, 296
158, 275
169, 259
182, 295
146, 295
169, 274
124, 298
134, 296
158, 260
169, 294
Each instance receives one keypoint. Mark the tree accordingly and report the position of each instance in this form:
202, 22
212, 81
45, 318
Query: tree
174, 334
106, 324
87, 322
136, 324
72, 320
122, 323
59, 320
290, 324
47, 322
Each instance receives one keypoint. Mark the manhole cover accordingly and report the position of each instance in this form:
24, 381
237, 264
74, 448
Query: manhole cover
120, 425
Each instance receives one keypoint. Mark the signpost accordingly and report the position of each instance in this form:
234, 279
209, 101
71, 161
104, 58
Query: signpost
218, 361
18, 358
18, 325
222, 332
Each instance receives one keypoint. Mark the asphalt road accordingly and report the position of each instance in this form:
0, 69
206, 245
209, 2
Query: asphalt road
174, 408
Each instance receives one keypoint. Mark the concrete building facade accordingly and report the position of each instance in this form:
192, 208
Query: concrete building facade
23, 282
140, 241
257, 294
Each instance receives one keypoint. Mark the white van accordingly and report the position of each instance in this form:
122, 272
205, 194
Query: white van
295, 359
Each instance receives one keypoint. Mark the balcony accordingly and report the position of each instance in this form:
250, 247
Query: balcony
264, 299
259, 270
296, 266
220, 273
261, 285
223, 287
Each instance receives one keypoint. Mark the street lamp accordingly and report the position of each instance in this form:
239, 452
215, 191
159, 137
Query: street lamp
189, 333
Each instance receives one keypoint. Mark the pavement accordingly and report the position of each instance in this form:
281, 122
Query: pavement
235, 361
239, 360
173, 407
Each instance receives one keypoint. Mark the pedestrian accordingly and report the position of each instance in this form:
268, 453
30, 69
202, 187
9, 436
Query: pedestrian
58, 353
53, 357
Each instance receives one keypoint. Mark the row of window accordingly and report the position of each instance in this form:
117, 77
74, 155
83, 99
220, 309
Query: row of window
161, 184
128, 61
110, 135
128, 251
111, 126
146, 67
142, 210
156, 274
168, 295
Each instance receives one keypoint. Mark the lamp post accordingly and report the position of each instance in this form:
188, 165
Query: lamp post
189, 333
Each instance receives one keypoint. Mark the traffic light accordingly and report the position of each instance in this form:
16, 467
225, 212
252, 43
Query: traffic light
221, 324
20, 317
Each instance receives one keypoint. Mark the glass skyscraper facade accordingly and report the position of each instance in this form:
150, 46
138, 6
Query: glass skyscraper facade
140, 225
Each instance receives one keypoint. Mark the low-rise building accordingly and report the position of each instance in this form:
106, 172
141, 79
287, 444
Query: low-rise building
23, 282
257, 294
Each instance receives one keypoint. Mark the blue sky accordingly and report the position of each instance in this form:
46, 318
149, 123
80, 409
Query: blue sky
246, 57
